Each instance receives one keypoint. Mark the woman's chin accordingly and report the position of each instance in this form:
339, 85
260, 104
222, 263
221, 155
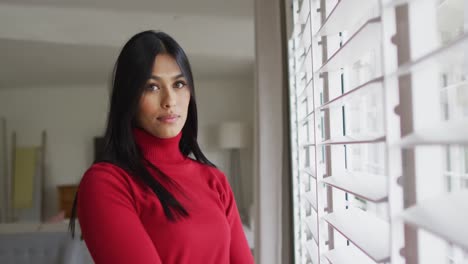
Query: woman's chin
167, 133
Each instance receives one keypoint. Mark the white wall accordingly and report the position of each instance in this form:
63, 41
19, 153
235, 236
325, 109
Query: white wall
226, 100
73, 116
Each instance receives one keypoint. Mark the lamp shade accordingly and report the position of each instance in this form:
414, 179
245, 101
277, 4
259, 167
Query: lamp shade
232, 135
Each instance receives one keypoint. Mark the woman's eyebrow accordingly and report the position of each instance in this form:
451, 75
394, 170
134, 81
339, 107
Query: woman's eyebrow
155, 77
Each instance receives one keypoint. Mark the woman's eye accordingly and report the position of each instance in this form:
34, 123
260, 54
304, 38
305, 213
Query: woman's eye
179, 84
153, 87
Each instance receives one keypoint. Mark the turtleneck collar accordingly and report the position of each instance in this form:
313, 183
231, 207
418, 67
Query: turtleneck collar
159, 150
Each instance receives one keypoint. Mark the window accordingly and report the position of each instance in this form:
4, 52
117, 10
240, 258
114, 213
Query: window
379, 129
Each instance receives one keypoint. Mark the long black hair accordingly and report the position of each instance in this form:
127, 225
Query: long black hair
131, 72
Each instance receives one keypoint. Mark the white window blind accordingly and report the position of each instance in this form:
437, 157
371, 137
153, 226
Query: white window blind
379, 130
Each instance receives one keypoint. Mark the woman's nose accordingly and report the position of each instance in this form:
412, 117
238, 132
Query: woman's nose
169, 100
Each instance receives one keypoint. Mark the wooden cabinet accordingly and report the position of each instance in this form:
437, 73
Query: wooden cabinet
66, 194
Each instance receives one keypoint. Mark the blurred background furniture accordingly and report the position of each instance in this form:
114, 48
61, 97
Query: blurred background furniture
233, 137
26, 243
22, 185
25, 183
66, 194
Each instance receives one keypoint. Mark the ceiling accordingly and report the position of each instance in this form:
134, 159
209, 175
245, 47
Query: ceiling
59, 42
237, 8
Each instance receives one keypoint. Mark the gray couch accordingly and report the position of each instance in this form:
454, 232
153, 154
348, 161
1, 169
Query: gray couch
40, 244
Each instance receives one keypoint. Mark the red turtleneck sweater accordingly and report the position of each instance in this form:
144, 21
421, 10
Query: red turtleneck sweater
122, 220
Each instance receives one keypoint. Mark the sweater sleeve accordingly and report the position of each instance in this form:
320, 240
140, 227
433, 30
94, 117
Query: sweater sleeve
109, 223
239, 251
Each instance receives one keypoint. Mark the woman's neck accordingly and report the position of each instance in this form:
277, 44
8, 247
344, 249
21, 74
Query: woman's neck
159, 150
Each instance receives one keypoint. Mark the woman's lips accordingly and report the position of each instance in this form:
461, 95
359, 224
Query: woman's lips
168, 119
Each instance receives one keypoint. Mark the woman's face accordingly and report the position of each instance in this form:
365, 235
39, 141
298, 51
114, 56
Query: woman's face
163, 106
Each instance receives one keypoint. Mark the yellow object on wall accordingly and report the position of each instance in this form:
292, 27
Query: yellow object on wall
23, 178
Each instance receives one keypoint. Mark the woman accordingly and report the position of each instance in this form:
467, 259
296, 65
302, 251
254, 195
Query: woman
147, 201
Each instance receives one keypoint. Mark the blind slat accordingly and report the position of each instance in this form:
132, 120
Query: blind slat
306, 66
309, 171
370, 187
307, 118
311, 228
365, 231
345, 140
308, 144
452, 52
339, 18
454, 86
306, 92
345, 254
311, 248
361, 42
446, 217
311, 199
305, 38
304, 11
446, 133
375, 83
